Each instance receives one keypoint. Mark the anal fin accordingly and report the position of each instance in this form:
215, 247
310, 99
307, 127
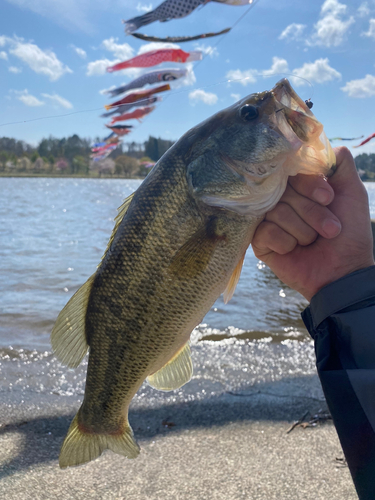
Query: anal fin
231, 286
176, 373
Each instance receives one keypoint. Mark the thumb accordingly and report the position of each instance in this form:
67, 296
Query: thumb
346, 181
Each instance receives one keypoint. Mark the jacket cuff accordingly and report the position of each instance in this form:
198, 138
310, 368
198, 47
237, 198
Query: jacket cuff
338, 295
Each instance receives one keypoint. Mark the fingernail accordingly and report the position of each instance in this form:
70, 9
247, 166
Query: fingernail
322, 196
331, 227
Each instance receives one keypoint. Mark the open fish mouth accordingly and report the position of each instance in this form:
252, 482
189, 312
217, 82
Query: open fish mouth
299, 125
292, 109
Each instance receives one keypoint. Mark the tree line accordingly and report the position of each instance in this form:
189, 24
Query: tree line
71, 156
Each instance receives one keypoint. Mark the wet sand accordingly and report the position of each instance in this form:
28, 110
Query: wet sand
227, 445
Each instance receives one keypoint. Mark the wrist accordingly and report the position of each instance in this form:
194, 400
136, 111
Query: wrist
339, 274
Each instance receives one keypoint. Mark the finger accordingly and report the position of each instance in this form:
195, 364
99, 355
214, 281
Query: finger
318, 217
270, 238
287, 219
314, 187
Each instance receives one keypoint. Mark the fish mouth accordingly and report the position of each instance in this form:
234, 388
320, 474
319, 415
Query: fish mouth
298, 124
292, 109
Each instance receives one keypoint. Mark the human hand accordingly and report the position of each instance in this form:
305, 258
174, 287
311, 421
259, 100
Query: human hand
319, 231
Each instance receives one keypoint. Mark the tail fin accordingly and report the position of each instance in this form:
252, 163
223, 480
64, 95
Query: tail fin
79, 447
133, 24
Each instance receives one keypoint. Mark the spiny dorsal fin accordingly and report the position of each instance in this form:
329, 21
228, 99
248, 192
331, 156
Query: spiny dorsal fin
231, 286
118, 219
176, 373
68, 337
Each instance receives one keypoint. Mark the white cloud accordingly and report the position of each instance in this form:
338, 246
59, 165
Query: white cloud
14, 69
144, 8
28, 99
360, 88
292, 32
236, 97
4, 40
207, 50
371, 30
206, 97
80, 52
187, 80
363, 10
243, 77
319, 72
59, 100
41, 61
278, 66
157, 45
105, 91
333, 7
331, 29
3, 55
99, 67
121, 51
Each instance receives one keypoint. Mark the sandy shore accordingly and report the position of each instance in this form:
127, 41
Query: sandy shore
228, 447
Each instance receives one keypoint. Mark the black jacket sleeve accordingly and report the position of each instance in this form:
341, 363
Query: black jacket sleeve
341, 320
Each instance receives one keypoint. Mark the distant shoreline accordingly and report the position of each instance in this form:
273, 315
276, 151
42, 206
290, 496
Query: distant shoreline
94, 175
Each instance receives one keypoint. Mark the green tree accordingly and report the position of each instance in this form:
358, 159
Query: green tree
34, 156
126, 166
23, 164
80, 165
155, 148
4, 157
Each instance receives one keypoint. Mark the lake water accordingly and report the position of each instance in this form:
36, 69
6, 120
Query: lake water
53, 233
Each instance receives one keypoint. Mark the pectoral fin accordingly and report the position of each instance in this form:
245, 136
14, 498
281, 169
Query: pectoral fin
193, 257
176, 373
229, 291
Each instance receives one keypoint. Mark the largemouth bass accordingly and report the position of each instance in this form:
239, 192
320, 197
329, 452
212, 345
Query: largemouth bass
179, 242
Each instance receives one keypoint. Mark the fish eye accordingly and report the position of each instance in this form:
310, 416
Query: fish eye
168, 78
249, 112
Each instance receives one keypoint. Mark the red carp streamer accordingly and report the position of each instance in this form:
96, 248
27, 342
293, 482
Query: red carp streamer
120, 130
155, 57
366, 140
137, 114
138, 96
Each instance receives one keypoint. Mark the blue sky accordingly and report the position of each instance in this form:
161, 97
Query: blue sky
53, 55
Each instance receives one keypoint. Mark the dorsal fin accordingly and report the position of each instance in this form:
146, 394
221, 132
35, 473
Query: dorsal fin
232, 283
118, 219
175, 373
